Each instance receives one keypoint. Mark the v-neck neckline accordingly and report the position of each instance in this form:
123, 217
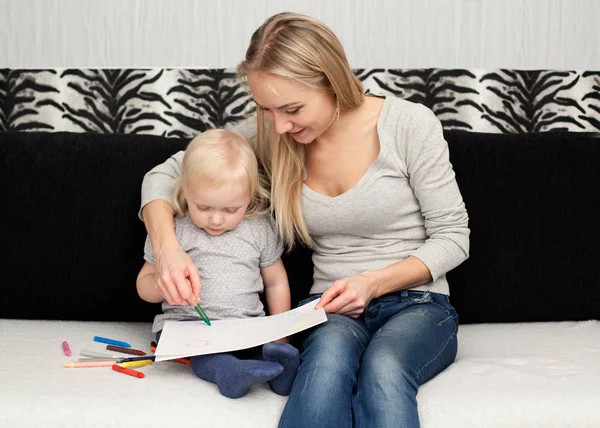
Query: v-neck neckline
307, 191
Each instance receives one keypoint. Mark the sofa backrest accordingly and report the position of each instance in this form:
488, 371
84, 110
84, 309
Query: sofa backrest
534, 203
71, 235
72, 244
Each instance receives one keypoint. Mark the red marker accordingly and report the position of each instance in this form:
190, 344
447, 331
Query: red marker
127, 371
66, 348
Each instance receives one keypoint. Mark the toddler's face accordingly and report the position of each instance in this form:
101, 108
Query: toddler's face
218, 209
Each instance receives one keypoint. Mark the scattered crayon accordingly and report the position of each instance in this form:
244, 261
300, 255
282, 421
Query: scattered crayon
127, 371
89, 364
141, 363
102, 355
66, 348
111, 342
202, 313
148, 357
179, 360
125, 350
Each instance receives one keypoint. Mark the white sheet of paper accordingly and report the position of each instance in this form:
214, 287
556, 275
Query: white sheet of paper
188, 338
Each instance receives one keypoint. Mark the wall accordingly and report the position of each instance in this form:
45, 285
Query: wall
523, 34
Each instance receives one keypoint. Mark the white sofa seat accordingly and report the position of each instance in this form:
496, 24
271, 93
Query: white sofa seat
506, 375
528, 375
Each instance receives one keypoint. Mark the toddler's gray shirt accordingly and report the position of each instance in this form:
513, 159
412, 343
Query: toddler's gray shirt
229, 267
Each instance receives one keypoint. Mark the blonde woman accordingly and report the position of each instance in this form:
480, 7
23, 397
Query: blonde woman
367, 183
223, 225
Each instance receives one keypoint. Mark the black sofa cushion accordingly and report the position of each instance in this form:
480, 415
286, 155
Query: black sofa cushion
533, 202
72, 243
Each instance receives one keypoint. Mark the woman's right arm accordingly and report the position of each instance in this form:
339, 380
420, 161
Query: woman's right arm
176, 275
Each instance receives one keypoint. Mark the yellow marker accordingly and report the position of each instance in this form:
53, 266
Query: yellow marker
140, 363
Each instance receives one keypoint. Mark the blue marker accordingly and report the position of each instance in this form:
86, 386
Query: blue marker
111, 342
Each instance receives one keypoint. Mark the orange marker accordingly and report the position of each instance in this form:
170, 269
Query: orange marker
185, 361
127, 371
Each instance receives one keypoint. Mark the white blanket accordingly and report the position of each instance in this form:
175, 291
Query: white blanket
509, 375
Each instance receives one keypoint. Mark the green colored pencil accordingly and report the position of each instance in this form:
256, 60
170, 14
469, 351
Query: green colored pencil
202, 313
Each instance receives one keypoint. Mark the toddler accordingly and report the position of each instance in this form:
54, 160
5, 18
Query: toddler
225, 227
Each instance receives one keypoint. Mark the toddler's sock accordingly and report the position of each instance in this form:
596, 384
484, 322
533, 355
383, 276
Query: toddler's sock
233, 376
289, 358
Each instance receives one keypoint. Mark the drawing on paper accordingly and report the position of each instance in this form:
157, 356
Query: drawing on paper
197, 343
188, 339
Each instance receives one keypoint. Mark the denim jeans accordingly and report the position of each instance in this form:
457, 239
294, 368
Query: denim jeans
366, 372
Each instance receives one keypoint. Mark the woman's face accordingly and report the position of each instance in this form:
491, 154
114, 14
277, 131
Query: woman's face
301, 111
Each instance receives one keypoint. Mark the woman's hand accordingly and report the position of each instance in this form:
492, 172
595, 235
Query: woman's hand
176, 277
349, 296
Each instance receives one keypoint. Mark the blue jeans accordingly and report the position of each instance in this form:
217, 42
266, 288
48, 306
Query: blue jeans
366, 372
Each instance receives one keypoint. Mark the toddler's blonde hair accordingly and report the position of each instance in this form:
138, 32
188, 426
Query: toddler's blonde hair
216, 157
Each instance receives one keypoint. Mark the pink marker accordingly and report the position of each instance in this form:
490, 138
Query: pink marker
66, 348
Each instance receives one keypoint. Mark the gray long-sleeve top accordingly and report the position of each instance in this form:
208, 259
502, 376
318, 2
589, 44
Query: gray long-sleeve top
406, 204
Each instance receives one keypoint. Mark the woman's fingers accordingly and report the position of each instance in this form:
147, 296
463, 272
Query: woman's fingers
177, 278
167, 285
196, 285
184, 289
348, 296
330, 294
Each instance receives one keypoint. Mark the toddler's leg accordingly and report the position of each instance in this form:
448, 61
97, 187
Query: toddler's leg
233, 376
289, 358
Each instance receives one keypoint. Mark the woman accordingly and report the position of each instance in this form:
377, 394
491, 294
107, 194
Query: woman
367, 183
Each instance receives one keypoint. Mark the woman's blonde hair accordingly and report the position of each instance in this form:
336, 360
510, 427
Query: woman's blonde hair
305, 50
214, 158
